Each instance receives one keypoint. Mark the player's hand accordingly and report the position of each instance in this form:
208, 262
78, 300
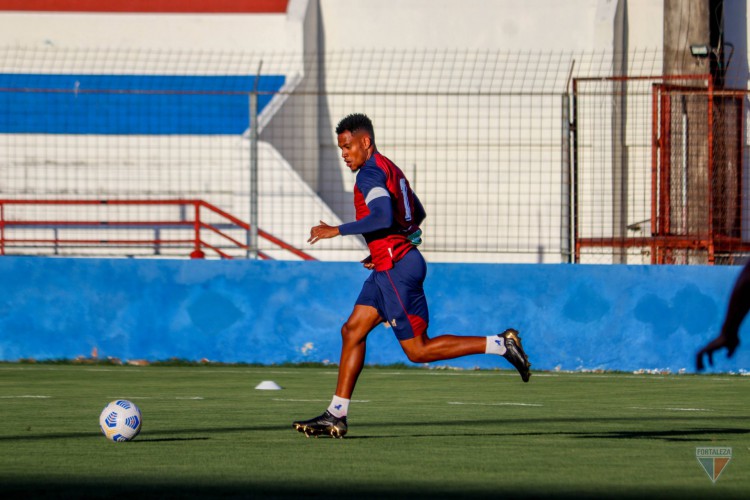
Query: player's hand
322, 232
367, 262
719, 342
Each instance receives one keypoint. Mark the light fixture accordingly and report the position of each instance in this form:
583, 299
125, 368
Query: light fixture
700, 50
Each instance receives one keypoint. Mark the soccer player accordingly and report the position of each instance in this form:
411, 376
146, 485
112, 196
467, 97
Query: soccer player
739, 305
388, 216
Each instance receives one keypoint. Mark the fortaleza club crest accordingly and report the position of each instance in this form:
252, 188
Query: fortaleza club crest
713, 459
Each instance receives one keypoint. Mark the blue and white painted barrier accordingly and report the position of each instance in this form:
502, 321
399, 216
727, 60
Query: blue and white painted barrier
571, 317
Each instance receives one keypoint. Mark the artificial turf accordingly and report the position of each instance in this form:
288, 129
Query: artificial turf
413, 433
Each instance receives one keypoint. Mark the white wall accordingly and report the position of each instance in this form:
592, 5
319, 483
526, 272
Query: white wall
447, 24
506, 25
645, 24
234, 32
508, 188
483, 45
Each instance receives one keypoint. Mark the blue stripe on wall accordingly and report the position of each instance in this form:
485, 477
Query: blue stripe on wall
130, 104
571, 317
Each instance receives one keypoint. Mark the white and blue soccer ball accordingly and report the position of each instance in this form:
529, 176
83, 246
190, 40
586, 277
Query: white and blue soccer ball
120, 420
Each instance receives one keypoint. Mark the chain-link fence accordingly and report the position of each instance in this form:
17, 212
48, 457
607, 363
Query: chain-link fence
511, 164
659, 164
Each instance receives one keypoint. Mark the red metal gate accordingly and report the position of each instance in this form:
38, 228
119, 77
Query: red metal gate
694, 210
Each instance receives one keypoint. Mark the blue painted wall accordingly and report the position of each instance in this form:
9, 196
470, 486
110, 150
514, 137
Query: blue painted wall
572, 317
130, 104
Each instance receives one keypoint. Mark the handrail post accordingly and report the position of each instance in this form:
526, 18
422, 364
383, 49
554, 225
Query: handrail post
2, 228
197, 253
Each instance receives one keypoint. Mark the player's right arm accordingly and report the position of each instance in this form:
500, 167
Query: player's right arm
372, 183
380, 217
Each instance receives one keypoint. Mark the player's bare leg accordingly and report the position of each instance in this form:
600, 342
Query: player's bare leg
422, 349
353, 348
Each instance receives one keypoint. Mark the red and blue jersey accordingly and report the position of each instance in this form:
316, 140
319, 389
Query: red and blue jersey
380, 177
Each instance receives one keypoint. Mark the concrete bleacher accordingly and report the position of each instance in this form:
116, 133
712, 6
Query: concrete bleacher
147, 121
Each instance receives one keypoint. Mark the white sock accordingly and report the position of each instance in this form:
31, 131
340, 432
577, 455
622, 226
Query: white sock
339, 407
495, 345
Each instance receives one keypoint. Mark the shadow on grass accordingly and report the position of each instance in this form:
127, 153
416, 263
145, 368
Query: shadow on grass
161, 435
164, 440
670, 435
709, 426
685, 435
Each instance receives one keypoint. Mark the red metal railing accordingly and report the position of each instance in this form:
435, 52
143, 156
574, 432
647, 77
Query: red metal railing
196, 242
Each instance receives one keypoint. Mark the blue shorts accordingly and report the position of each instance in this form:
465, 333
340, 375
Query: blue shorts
398, 295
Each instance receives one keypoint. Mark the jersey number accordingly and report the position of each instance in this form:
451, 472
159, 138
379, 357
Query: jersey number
405, 196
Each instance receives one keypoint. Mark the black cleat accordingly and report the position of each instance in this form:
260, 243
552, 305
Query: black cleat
325, 424
515, 354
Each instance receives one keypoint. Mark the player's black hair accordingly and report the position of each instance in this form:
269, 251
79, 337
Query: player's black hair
355, 122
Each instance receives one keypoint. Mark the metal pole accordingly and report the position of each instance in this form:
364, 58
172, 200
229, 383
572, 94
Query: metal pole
619, 171
570, 169
684, 175
252, 234
574, 178
567, 233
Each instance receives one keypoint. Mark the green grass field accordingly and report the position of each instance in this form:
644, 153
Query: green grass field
412, 433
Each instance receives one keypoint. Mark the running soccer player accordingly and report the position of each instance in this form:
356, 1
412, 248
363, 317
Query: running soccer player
388, 215
739, 305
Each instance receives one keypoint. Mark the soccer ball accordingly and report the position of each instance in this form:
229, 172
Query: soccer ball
120, 420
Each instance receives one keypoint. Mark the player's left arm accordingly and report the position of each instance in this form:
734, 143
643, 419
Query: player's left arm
419, 211
419, 214
413, 232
